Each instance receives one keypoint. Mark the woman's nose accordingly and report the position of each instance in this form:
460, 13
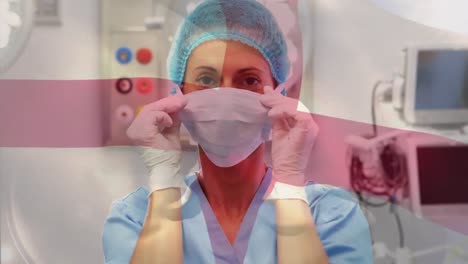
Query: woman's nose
226, 82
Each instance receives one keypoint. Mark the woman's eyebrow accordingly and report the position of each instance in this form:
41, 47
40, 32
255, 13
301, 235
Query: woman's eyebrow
250, 69
208, 68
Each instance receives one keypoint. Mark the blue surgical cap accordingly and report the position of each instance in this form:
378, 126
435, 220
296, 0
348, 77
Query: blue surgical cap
246, 21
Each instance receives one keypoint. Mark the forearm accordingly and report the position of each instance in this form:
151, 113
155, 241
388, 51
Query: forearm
160, 240
297, 238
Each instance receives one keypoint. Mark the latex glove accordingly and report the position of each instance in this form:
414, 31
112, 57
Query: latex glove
293, 136
156, 130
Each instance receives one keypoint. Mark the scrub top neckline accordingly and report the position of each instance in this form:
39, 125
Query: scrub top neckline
221, 246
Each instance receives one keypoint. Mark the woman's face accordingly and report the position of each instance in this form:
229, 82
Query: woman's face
220, 63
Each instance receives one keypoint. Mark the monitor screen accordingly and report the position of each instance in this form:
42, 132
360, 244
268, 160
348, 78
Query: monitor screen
443, 174
442, 80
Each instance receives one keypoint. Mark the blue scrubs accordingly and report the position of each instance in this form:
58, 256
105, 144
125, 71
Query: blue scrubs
342, 228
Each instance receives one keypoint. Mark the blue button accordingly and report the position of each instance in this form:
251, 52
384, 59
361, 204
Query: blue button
124, 55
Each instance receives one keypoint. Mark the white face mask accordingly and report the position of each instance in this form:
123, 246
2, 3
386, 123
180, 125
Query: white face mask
228, 123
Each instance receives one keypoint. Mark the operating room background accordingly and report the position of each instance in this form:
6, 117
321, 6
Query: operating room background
354, 44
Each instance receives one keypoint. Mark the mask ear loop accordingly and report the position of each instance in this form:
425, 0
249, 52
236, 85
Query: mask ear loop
284, 92
199, 172
281, 89
292, 80
175, 90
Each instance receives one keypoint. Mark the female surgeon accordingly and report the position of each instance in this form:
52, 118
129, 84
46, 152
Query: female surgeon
226, 57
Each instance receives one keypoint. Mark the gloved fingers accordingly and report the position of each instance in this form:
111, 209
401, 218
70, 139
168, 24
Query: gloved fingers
278, 118
299, 127
276, 112
173, 131
280, 125
305, 121
268, 89
278, 90
305, 129
283, 111
173, 140
271, 98
175, 119
142, 128
284, 105
171, 104
162, 120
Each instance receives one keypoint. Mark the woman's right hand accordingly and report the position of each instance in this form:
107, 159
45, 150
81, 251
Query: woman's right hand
157, 125
156, 130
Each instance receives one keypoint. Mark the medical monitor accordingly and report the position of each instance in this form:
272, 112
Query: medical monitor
436, 91
438, 180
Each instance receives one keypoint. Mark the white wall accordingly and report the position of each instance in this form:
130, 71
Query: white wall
58, 198
356, 44
63, 196
69, 51
66, 52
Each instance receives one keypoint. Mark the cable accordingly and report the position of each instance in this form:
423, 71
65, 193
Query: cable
374, 93
366, 215
391, 161
393, 207
391, 178
394, 211
368, 203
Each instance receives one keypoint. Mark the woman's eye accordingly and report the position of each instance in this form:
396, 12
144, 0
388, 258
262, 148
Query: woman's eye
251, 81
206, 81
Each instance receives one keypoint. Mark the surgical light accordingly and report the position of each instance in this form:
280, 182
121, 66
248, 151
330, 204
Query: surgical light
442, 14
16, 21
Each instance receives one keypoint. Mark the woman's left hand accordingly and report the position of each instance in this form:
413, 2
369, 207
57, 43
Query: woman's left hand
294, 132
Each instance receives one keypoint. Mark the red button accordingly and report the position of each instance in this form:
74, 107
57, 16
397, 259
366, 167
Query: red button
144, 85
144, 55
124, 85
124, 114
